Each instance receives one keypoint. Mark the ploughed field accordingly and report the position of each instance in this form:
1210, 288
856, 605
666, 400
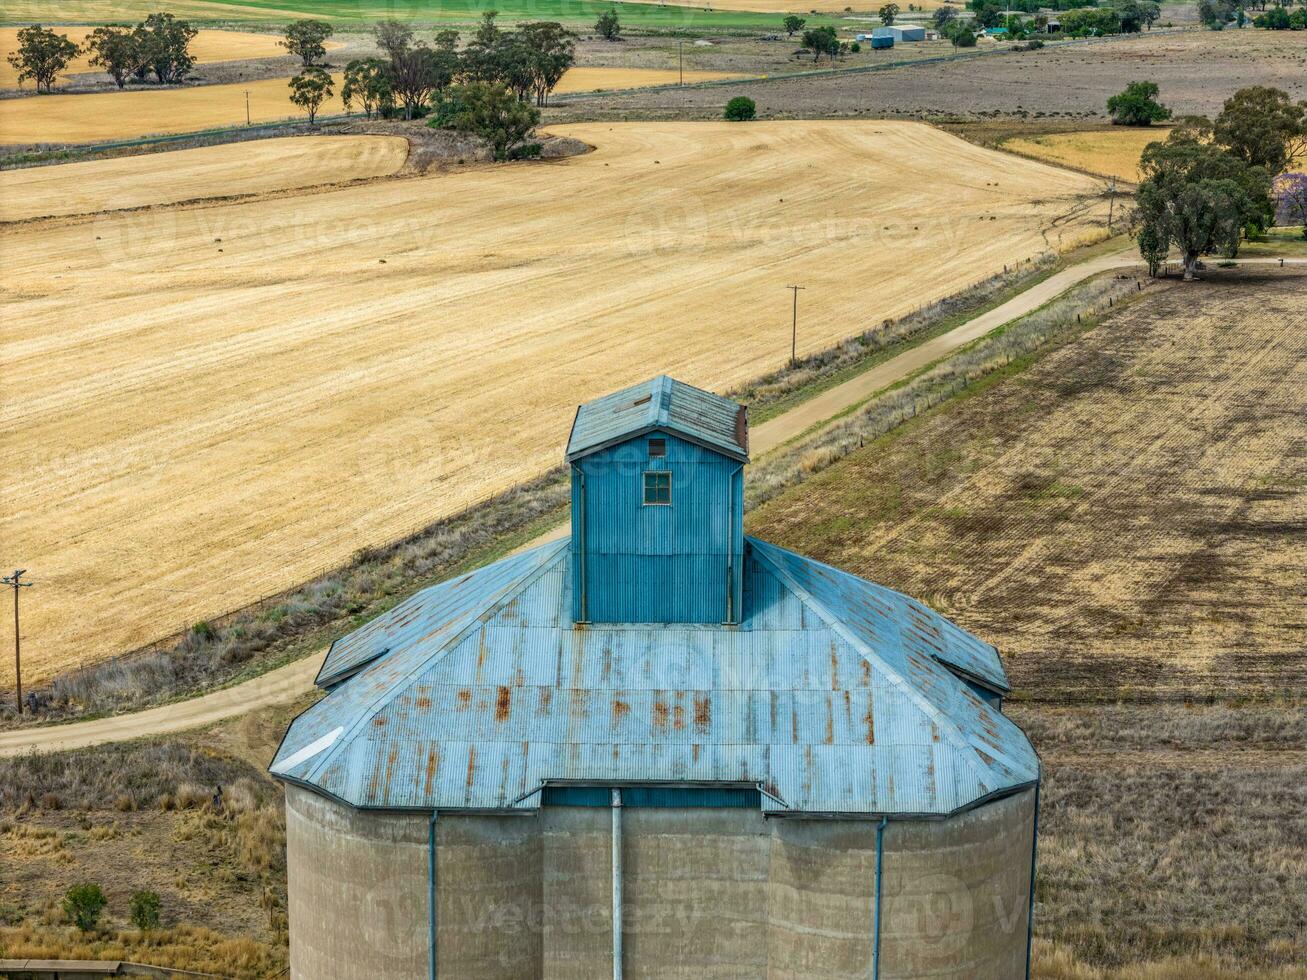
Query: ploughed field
227, 170
1196, 70
1125, 520
129, 114
207, 46
217, 402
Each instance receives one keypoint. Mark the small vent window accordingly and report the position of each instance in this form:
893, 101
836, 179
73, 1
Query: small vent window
657, 448
658, 488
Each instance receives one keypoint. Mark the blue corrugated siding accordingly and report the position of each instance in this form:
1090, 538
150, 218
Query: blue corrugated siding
657, 563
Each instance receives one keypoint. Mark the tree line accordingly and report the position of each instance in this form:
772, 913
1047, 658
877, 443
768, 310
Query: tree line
1276, 15
1209, 185
158, 46
410, 76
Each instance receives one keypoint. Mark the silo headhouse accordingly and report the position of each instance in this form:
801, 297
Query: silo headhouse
658, 748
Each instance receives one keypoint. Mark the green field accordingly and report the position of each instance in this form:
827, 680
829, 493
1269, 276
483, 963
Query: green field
642, 17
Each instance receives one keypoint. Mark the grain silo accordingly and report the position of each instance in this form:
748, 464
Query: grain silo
659, 748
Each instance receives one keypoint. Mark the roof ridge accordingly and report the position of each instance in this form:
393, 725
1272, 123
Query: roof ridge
484, 613
896, 678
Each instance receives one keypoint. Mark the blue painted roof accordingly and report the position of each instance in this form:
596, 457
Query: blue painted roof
832, 694
665, 404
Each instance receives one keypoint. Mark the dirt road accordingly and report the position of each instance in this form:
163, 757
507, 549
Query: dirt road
287, 683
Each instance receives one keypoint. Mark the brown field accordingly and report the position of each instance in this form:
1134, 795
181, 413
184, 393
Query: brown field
217, 402
124, 115
227, 170
1106, 152
1124, 519
208, 46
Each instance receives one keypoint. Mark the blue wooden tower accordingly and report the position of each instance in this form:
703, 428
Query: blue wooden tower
658, 506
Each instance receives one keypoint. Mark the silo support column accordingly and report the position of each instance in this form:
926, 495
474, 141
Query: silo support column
617, 884
880, 860
431, 890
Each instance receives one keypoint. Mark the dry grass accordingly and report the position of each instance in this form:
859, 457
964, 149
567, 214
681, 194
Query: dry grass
1111, 152
208, 46
129, 114
1123, 518
219, 871
228, 170
357, 364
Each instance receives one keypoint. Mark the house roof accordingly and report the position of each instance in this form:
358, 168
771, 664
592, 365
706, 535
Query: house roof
833, 695
661, 404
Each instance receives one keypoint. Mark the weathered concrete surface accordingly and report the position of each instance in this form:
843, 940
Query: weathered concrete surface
708, 893
957, 894
357, 891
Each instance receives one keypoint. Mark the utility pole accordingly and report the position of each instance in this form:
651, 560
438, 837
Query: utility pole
680, 57
16, 581
1111, 206
794, 326
247, 107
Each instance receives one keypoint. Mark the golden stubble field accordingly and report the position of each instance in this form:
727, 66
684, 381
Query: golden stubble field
204, 172
1107, 152
210, 404
129, 114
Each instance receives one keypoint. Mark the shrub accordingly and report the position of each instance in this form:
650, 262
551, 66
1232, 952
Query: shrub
1137, 105
145, 908
740, 109
855, 47
83, 904
526, 151
488, 111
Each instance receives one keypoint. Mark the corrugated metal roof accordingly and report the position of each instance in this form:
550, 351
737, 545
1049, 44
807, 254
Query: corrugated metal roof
662, 403
830, 695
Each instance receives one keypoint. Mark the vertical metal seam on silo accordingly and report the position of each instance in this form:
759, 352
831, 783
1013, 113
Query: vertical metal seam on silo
431, 890
880, 858
617, 883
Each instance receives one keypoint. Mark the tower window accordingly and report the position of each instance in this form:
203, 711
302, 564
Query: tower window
657, 447
658, 488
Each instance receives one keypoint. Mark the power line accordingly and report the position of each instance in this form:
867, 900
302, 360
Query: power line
794, 326
15, 580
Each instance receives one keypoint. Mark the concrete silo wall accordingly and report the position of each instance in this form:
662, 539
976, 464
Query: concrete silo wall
707, 893
956, 895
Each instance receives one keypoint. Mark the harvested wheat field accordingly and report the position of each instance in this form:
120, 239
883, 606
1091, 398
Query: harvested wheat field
1107, 152
228, 170
218, 402
207, 47
124, 115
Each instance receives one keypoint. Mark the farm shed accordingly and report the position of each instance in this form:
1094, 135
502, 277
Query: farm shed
659, 748
901, 32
